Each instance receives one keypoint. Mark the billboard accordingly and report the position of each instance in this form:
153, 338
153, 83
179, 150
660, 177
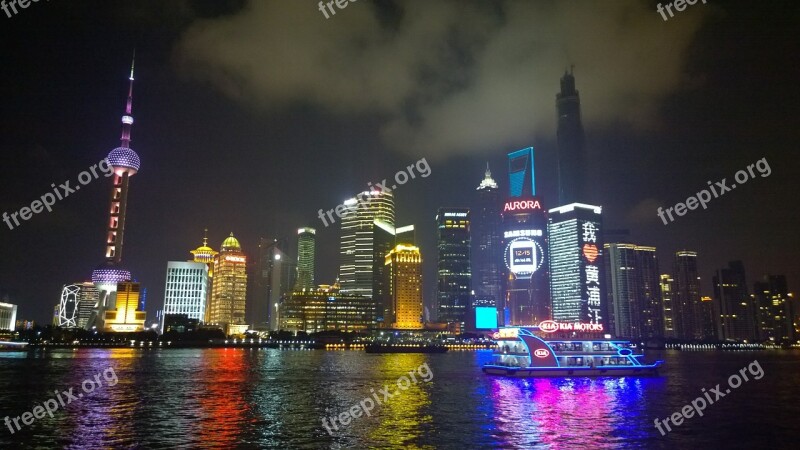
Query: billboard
485, 317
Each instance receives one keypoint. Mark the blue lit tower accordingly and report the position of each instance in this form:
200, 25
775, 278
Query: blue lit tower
125, 163
526, 299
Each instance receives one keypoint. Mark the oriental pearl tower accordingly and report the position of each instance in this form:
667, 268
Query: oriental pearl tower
125, 163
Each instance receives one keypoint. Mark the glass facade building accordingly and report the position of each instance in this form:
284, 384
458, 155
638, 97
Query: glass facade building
453, 265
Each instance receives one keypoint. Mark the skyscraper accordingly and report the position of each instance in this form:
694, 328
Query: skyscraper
453, 265
775, 309
8, 316
526, 299
734, 308
274, 278
358, 256
404, 263
125, 316
576, 252
205, 255
487, 251
229, 289
67, 309
571, 155
125, 163
306, 238
186, 290
668, 300
686, 298
633, 290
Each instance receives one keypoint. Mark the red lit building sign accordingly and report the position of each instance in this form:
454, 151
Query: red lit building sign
551, 326
521, 205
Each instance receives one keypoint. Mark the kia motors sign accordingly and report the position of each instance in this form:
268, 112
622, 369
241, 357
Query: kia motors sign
551, 326
541, 353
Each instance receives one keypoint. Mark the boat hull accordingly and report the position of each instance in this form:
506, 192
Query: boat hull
556, 372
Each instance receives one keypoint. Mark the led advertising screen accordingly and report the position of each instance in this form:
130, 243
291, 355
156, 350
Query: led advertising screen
523, 256
485, 317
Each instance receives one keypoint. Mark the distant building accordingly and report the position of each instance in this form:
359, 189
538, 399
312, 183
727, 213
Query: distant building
306, 239
775, 309
125, 317
186, 290
454, 272
668, 302
487, 245
66, 313
633, 291
734, 308
404, 263
317, 311
572, 171
229, 289
8, 316
575, 243
274, 277
180, 323
78, 305
686, 300
205, 254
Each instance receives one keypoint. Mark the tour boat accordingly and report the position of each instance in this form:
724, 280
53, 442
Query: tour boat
521, 353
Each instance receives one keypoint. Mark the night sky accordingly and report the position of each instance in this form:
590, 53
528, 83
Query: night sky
252, 116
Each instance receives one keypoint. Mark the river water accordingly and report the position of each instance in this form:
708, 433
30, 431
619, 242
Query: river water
269, 398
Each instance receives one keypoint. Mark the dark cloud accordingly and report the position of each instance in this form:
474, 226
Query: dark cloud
448, 76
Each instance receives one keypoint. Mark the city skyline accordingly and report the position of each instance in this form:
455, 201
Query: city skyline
80, 138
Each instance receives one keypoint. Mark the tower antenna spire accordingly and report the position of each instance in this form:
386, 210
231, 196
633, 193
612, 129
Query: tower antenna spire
127, 119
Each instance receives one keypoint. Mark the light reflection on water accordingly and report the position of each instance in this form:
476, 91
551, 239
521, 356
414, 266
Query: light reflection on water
219, 398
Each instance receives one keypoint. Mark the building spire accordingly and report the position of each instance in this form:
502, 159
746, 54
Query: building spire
205, 237
488, 173
127, 119
488, 181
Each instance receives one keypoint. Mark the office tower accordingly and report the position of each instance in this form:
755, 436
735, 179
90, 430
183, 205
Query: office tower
306, 240
633, 291
404, 264
358, 256
205, 255
686, 297
274, 278
526, 298
453, 265
775, 309
571, 155
707, 318
326, 310
734, 308
229, 289
125, 163
8, 316
576, 270
125, 316
667, 300
487, 250
186, 290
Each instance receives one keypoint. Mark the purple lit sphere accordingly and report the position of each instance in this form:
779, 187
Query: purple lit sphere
110, 276
125, 158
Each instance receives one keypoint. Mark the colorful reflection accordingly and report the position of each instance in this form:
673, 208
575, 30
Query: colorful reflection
566, 412
221, 404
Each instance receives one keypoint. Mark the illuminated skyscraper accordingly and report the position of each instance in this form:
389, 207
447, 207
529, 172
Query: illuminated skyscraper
186, 290
667, 300
306, 240
125, 163
487, 250
686, 302
229, 288
358, 256
404, 264
571, 155
8, 316
125, 316
734, 308
205, 254
527, 297
775, 309
275, 275
633, 290
576, 269
453, 265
